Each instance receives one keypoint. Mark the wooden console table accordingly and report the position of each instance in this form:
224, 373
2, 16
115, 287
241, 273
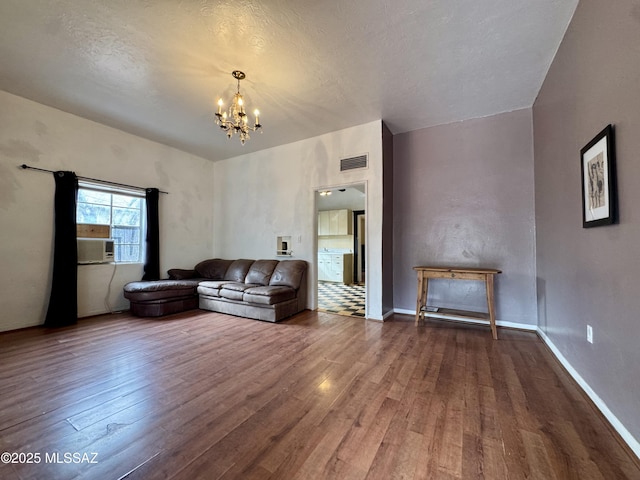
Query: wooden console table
455, 273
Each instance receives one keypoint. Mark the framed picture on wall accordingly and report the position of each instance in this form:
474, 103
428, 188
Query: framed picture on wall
599, 195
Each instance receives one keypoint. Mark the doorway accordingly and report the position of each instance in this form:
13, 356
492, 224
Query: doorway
341, 254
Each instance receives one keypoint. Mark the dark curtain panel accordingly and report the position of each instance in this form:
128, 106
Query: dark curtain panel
63, 303
152, 256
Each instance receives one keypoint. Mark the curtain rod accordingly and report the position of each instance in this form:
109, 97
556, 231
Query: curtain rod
25, 167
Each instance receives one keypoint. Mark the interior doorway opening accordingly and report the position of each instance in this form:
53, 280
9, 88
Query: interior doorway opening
341, 255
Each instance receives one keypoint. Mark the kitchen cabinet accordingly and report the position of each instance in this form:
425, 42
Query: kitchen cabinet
335, 267
323, 222
335, 222
324, 267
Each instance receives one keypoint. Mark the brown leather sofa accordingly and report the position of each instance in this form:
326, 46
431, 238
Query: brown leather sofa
269, 290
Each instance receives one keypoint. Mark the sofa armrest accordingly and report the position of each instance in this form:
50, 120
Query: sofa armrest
181, 274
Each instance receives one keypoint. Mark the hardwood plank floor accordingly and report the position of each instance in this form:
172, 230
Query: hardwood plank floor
318, 396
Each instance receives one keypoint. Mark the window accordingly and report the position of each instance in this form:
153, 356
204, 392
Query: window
121, 209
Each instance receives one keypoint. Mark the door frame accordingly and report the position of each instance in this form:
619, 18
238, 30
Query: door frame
356, 245
316, 191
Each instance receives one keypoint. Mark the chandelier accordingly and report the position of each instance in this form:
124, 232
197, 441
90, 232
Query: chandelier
235, 120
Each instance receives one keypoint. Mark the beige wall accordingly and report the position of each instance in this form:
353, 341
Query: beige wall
342, 242
590, 276
262, 195
44, 137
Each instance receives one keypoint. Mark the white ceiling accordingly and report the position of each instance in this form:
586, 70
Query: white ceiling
155, 68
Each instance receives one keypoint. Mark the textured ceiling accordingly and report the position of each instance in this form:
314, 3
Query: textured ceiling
155, 68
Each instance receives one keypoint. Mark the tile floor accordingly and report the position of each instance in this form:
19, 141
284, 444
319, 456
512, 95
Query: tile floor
341, 299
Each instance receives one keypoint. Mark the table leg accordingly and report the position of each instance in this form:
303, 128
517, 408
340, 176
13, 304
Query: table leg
425, 296
490, 304
419, 298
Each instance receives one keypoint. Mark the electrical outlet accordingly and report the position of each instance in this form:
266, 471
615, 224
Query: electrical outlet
589, 334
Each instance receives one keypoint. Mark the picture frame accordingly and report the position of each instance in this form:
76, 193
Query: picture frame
599, 189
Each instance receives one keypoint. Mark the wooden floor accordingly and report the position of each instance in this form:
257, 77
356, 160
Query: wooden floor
319, 396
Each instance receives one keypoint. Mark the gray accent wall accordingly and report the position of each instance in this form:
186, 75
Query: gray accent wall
590, 276
463, 195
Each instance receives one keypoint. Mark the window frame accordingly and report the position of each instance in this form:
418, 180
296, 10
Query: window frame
124, 191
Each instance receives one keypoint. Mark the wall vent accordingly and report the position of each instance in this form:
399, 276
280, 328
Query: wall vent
352, 163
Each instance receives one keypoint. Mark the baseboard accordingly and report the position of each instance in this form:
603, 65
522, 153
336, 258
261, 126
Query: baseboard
499, 323
626, 436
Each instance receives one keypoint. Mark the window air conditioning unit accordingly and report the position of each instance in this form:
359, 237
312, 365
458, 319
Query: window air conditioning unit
95, 250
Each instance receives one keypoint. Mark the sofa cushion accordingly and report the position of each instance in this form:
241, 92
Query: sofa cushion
237, 271
288, 273
159, 289
268, 295
214, 268
238, 287
211, 287
260, 272
234, 291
